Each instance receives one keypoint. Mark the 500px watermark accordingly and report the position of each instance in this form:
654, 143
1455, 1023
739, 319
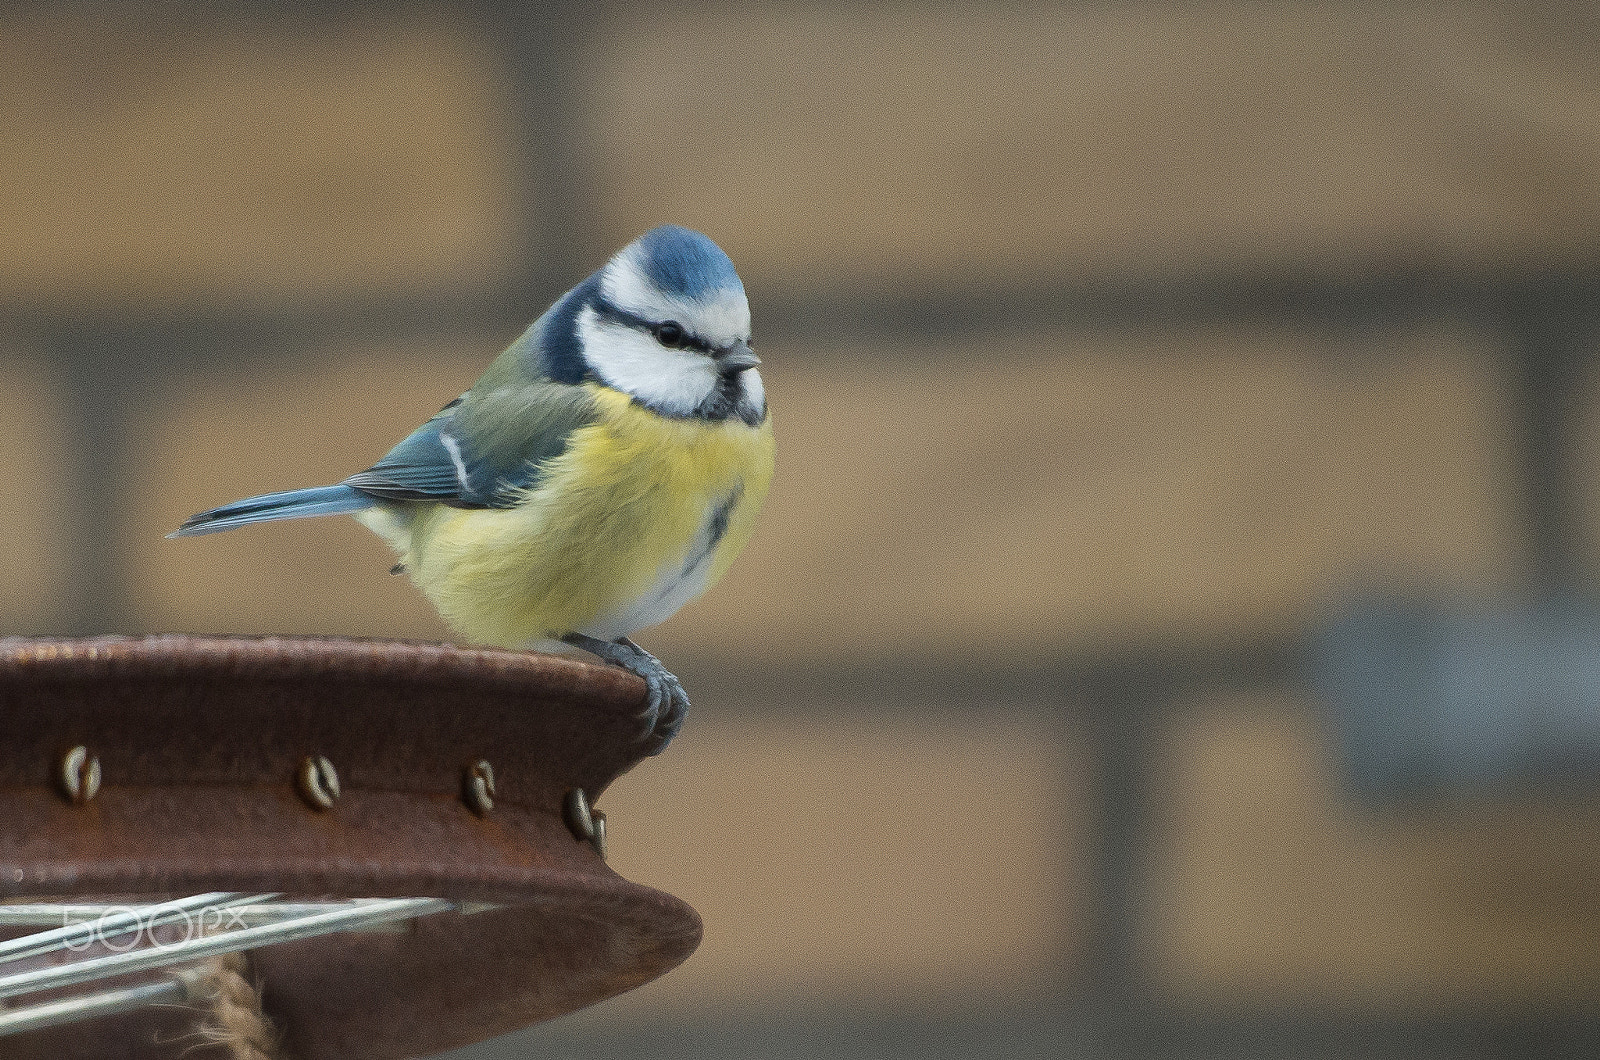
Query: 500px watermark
120, 928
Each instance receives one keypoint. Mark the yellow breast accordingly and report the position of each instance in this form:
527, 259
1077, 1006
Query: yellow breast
639, 515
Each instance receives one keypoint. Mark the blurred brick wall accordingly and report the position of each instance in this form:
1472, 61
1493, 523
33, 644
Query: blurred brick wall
1268, 887
874, 148
150, 163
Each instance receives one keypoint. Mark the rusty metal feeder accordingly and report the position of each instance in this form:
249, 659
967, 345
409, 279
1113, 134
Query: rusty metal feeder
311, 787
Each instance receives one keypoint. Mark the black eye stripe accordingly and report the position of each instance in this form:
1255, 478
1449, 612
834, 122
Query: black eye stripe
614, 314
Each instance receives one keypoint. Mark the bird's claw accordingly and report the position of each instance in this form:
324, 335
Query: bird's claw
666, 703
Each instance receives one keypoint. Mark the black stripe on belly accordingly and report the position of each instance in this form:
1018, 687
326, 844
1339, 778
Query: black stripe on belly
716, 530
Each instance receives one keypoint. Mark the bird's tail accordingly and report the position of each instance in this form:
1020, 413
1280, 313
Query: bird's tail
292, 504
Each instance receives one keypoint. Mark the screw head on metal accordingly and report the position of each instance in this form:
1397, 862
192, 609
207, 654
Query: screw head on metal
584, 823
478, 787
318, 782
79, 775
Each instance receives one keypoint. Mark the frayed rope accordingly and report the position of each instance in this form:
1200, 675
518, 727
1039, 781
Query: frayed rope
232, 1016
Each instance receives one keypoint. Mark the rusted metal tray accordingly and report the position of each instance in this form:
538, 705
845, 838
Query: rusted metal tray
173, 765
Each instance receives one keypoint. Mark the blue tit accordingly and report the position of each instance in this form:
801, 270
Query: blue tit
603, 472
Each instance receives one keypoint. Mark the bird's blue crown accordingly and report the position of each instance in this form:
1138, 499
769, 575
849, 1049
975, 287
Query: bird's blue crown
684, 263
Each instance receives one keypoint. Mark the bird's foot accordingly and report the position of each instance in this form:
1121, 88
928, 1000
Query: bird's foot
667, 702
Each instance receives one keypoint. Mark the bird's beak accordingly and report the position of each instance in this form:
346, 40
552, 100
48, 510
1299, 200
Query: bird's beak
736, 358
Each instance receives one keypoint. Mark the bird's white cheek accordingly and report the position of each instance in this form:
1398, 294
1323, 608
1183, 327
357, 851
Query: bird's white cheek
752, 394
673, 381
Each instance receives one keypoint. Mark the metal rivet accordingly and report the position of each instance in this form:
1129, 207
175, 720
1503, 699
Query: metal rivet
576, 811
584, 823
80, 775
479, 787
318, 783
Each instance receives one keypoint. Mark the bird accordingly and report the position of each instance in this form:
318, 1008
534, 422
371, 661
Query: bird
604, 470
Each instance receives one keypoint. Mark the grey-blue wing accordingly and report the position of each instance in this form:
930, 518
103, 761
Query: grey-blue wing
482, 450
423, 467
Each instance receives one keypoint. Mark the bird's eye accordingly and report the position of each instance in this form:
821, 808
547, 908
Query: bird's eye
670, 334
